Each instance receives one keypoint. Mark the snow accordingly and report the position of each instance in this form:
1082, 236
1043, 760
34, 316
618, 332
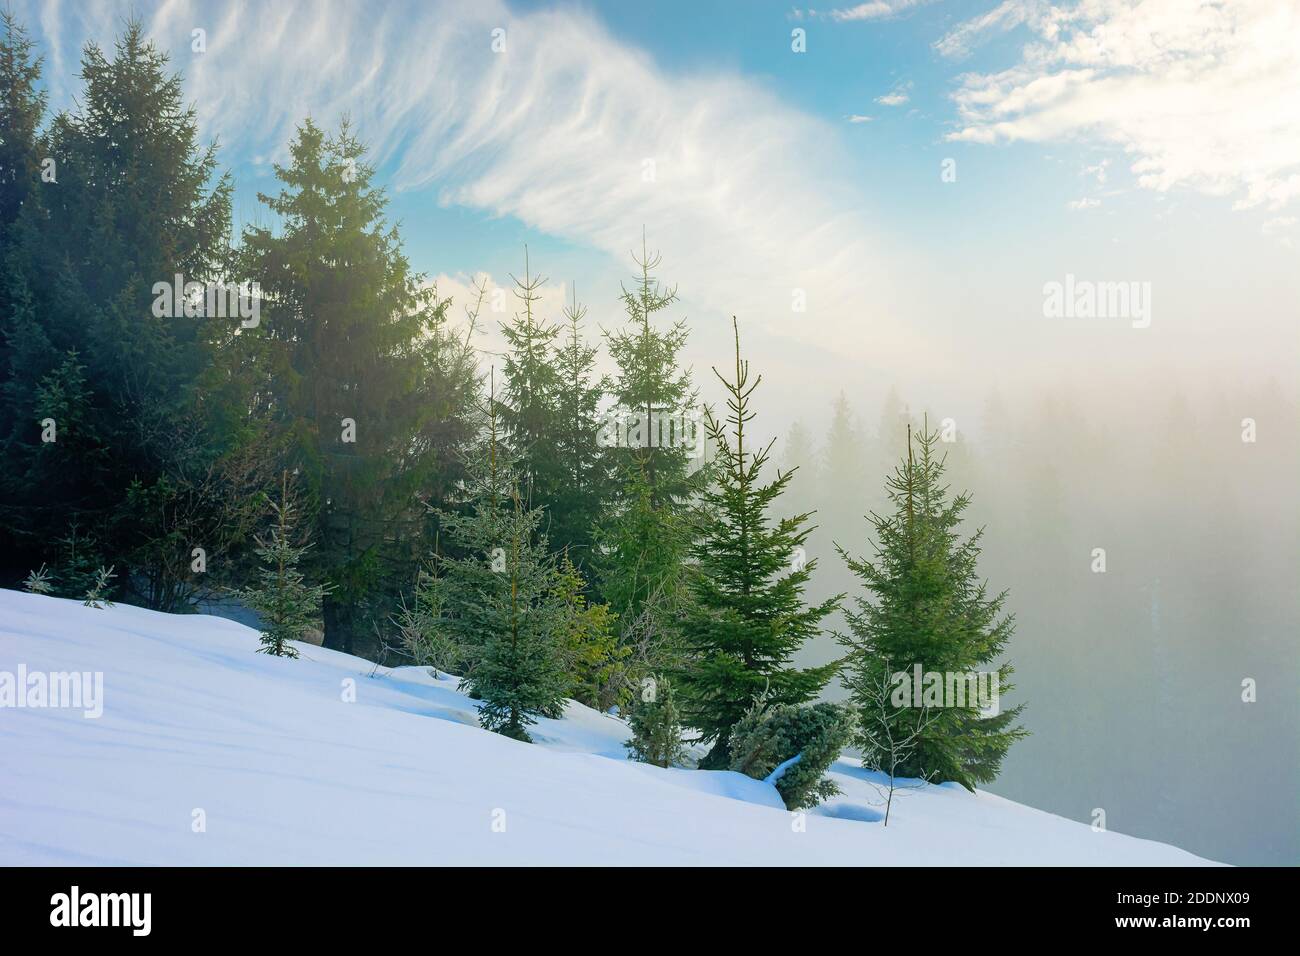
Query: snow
281, 768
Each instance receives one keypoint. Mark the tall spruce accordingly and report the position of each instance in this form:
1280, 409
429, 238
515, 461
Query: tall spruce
360, 370
651, 383
531, 381
579, 504
131, 199
644, 538
747, 616
926, 606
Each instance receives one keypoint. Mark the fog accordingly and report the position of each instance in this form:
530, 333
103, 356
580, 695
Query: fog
1133, 676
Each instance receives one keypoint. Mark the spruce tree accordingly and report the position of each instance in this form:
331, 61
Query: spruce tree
747, 616
97, 596
287, 605
593, 660
129, 198
500, 596
361, 372
578, 505
843, 464
926, 606
22, 110
651, 384
529, 411
38, 581
800, 453
424, 636
643, 540
656, 725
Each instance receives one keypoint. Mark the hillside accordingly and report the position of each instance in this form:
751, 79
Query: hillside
285, 771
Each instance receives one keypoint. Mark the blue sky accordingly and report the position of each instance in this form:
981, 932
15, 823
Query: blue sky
1122, 140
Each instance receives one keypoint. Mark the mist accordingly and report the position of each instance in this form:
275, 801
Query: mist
1133, 676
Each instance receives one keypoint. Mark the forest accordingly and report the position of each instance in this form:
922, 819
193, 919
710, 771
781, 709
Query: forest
286, 415
293, 418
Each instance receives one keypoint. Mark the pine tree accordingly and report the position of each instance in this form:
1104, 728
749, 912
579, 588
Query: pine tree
421, 629
22, 110
131, 199
643, 541
578, 506
657, 728
799, 453
38, 581
843, 465
500, 598
79, 556
747, 617
529, 406
97, 596
287, 605
651, 384
593, 660
925, 606
362, 373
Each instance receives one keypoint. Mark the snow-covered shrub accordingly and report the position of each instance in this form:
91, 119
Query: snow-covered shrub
793, 746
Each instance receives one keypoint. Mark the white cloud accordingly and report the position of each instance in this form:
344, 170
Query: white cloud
897, 96
1097, 171
1005, 16
872, 10
858, 118
1199, 95
1087, 202
750, 199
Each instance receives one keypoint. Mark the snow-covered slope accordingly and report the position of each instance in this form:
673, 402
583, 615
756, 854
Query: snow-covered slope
281, 769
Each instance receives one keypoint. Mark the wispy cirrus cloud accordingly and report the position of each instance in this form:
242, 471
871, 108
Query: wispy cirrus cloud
1202, 95
561, 125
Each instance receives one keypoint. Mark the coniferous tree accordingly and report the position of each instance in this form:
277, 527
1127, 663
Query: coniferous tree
360, 369
578, 505
643, 541
287, 605
500, 598
22, 110
529, 412
747, 616
800, 453
657, 728
843, 465
593, 660
927, 607
421, 629
98, 594
792, 747
652, 386
38, 581
109, 394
